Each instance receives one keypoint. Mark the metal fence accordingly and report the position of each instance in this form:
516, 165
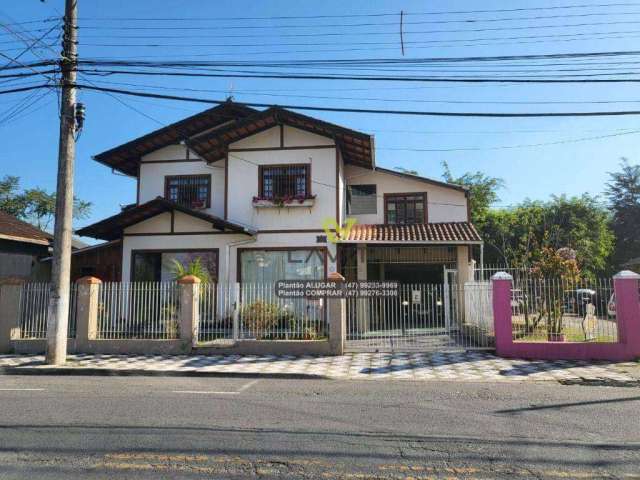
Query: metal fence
478, 301
423, 317
138, 310
251, 311
483, 273
555, 309
34, 307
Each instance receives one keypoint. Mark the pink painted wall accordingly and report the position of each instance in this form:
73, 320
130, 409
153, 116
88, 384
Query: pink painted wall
627, 313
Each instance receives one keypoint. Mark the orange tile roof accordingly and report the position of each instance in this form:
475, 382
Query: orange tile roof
419, 232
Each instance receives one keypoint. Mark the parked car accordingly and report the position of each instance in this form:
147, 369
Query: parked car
575, 301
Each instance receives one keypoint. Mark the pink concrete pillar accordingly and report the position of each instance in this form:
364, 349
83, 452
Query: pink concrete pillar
501, 283
625, 285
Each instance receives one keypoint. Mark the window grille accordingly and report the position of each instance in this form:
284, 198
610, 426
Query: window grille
284, 181
192, 191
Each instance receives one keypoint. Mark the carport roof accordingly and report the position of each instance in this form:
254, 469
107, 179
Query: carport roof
440, 233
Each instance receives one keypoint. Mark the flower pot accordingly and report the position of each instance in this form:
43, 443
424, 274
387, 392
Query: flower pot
556, 337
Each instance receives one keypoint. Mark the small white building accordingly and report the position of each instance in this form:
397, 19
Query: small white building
261, 196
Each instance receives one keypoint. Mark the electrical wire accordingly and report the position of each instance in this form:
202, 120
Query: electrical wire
368, 110
378, 99
369, 78
359, 15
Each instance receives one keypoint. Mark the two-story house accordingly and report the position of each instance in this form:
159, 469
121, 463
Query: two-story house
252, 194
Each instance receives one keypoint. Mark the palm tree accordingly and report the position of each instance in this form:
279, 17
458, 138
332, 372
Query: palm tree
194, 268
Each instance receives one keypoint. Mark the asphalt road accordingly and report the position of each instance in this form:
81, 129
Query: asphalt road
151, 427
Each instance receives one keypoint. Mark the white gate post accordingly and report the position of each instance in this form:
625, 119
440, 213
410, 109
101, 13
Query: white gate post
236, 310
447, 301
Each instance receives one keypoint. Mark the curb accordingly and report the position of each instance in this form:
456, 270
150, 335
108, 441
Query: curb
102, 372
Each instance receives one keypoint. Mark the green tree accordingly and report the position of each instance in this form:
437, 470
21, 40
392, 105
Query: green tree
483, 191
406, 171
34, 205
518, 236
623, 192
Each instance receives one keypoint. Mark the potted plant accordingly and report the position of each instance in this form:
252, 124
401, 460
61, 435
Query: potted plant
558, 271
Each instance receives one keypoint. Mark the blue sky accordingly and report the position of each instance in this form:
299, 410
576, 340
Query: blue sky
30, 141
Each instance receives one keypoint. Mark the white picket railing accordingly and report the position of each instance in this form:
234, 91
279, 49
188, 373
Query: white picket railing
251, 311
423, 317
33, 312
141, 310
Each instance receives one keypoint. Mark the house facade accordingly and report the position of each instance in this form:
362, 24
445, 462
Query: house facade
22, 246
260, 196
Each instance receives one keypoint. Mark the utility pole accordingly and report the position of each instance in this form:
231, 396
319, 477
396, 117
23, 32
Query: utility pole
58, 312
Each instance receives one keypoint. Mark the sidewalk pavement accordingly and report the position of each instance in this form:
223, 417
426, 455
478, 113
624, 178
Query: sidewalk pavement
464, 366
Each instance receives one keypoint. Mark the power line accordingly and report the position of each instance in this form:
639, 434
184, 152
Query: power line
509, 147
307, 25
385, 78
359, 15
412, 100
476, 58
368, 110
24, 89
422, 42
369, 33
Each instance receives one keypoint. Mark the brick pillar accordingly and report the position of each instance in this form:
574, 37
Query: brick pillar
189, 312
337, 312
87, 312
501, 283
10, 291
625, 285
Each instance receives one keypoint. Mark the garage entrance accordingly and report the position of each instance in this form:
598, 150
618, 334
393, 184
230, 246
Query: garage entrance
428, 315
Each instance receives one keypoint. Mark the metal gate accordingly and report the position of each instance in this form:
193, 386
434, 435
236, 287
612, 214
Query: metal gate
422, 318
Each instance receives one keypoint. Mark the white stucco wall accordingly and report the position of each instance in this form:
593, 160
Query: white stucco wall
243, 180
264, 139
159, 224
444, 204
152, 175
294, 137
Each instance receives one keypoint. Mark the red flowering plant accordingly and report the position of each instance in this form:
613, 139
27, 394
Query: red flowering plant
284, 200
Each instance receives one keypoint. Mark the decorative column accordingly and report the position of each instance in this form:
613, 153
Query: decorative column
189, 319
10, 292
501, 283
87, 312
337, 312
625, 285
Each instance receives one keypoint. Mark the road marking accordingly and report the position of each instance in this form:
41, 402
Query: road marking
209, 392
21, 389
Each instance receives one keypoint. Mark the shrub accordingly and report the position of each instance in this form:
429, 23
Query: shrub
260, 317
